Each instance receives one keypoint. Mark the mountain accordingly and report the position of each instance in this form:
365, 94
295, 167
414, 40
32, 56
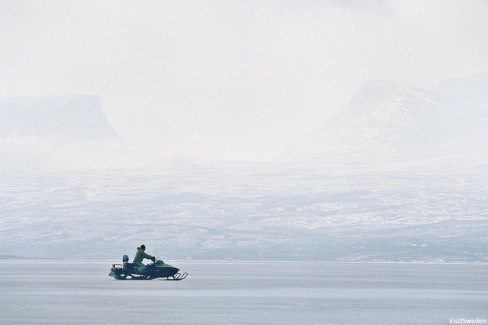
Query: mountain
72, 118
60, 133
471, 90
391, 123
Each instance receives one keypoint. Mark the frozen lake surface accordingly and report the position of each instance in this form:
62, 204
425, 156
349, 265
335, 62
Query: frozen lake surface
35, 292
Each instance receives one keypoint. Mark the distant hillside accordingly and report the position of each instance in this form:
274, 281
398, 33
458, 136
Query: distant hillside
60, 133
386, 123
12, 257
65, 118
472, 90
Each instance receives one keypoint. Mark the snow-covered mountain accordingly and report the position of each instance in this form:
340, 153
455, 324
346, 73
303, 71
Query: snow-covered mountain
471, 91
269, 211
59, 133
387, 123
69, 117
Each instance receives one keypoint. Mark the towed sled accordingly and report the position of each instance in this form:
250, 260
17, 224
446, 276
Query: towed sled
158, 269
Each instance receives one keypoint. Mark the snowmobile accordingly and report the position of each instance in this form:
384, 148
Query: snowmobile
158, 269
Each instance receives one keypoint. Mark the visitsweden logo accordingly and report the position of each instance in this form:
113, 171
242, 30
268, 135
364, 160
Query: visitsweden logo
465, 320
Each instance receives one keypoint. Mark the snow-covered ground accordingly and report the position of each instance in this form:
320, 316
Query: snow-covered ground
224, 292
245, 212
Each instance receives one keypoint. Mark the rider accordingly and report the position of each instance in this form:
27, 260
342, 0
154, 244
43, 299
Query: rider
140, 256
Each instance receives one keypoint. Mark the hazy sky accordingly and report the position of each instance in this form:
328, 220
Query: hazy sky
232, 79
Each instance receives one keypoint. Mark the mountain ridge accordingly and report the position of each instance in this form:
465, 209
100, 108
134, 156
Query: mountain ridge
387, 122
60, 133
77, 117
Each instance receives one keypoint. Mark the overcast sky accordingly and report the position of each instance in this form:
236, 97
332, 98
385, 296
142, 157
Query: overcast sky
232, 79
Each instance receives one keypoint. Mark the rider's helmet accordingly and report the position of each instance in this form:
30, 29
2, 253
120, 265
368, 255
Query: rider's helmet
143, 247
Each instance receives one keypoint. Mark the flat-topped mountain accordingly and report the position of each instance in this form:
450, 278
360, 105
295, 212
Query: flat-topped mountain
65, 118
59, 133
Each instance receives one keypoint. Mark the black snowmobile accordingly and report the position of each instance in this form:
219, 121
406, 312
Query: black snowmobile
158, 269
